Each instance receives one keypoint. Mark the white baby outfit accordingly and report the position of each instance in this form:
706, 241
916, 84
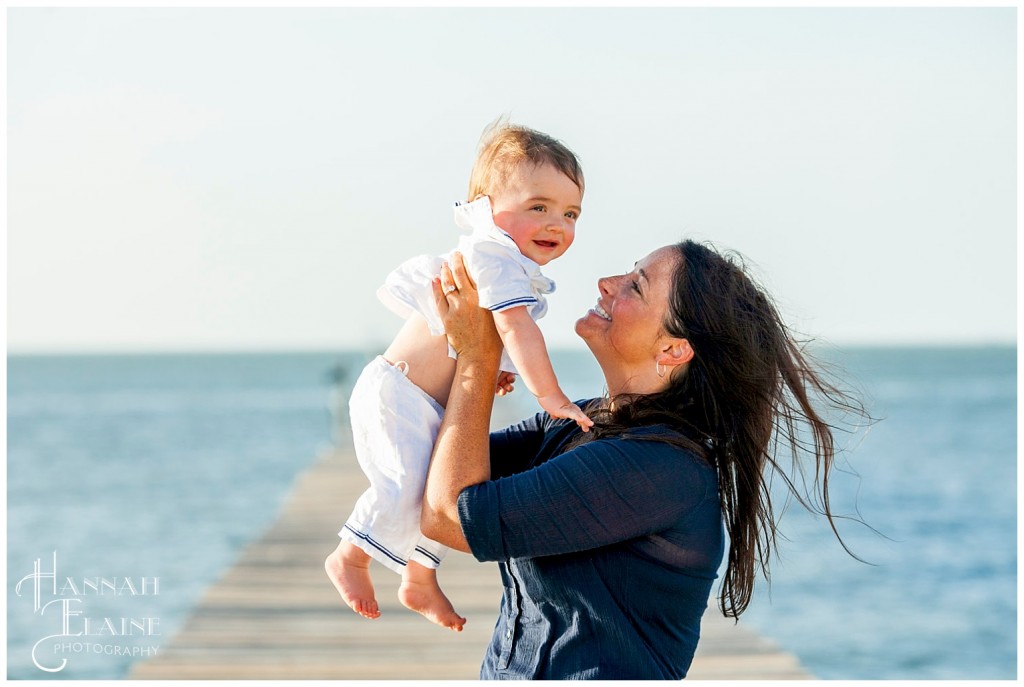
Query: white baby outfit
505, 278
394, 422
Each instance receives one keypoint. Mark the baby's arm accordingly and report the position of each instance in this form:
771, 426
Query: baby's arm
525, 344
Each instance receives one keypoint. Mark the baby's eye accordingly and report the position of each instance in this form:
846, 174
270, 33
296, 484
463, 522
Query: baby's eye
572, 214
538, 208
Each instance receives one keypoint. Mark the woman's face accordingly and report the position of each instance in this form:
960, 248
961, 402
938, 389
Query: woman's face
625, 329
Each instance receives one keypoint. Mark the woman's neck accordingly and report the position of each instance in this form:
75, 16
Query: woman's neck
619, 382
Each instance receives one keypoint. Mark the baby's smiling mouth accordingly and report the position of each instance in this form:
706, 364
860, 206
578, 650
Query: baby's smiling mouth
546, 244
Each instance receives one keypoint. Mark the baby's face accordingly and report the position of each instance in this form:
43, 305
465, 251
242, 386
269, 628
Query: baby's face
538, 208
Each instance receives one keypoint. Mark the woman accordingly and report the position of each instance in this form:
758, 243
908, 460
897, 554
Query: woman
609, 542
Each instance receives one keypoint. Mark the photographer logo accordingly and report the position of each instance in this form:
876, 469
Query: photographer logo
63, 602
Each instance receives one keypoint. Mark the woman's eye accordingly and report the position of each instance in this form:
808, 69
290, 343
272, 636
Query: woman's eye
636, 286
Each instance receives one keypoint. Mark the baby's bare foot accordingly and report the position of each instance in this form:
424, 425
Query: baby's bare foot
348, 566
420, 592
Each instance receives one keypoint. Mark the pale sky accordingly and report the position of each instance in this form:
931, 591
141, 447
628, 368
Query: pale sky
244, 178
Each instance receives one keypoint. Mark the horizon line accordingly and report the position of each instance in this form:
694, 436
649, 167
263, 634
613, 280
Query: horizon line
353, 348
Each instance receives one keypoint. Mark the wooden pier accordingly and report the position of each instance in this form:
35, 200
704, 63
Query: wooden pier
275, 615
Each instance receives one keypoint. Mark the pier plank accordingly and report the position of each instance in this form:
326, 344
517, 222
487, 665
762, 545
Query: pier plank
275, 615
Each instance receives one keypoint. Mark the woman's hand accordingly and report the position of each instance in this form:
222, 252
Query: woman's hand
470, 328
462, 452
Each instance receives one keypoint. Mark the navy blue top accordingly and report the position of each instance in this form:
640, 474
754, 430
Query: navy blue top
607, 552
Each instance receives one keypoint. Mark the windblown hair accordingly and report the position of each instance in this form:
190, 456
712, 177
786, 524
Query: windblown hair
748, 397
504, 146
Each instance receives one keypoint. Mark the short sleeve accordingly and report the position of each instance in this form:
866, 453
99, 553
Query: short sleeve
500, 278
597, 494
408, 289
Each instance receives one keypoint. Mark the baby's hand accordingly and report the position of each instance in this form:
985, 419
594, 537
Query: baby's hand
559, 405
505, 382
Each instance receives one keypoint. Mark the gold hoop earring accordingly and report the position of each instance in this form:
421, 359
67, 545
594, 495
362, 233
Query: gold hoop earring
660, 369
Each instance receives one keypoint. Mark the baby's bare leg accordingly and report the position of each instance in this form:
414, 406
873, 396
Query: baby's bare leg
420, 592
348, 566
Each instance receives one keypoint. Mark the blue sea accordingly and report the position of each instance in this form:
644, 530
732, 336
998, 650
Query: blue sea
135, 480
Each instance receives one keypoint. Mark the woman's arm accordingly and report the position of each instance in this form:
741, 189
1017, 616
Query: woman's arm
461, 455
592, 496
597, 494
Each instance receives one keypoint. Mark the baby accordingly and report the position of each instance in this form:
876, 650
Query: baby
527, 191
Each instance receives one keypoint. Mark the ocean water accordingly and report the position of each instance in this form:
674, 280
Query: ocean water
146, 467
140, 478
937, 476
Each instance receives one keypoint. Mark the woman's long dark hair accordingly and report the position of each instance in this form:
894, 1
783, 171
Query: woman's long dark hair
749, 396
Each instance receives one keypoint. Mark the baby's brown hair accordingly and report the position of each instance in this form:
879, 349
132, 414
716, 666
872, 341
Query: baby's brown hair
504, 146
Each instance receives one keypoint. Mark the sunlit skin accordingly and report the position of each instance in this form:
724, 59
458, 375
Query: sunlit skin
538, 207
348, 568
625, 332
625, 328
